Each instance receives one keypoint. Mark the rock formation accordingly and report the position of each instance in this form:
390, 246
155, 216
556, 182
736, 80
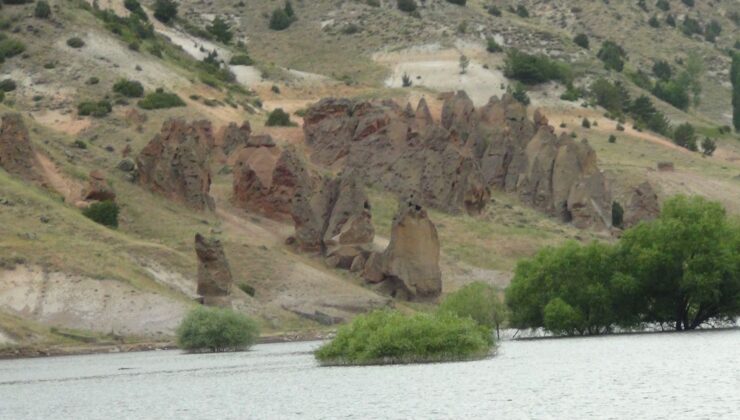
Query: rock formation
214, 274
452, 165
175, 163
642, 206
97, 188
409, 267
16, 152
332, 217
266, 179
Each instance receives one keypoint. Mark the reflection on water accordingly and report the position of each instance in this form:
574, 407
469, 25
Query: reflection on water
672, 376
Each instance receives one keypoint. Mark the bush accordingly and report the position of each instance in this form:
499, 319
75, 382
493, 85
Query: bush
613, 56
663, 5
279, 20
135, 8
492, 46
662, 70
670, 21
478, 301
673, 92
689, 3
278, 117
712, 31
585, 123
581, 40
220, 30
241, 60
92, 81
10, 47
161, 99
612, 139
458, 2
685, 136
520, 94
534, 69
407, 6
7, 85
735, 81
246, 288
494, 11
96, 109
129, 88
216, 330
522, 11
612, 96
572, 93
617, 209
76, 42
708, 146
406, 80
42, 10
104, 213
165, 10
388, 337
691, 26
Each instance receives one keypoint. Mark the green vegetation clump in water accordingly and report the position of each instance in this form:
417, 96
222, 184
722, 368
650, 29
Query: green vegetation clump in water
389, 337
216, 330
680, 271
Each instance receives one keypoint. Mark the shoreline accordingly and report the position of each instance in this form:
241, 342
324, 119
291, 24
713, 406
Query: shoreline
33, 352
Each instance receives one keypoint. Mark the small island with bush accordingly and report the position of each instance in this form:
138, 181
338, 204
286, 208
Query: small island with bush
461, 330
214, 330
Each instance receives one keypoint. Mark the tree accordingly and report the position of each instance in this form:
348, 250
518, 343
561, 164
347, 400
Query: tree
464, 63
735, 80
216, 330
673, 92
220, 30
612, 96
492, 46
104, 212
692, 76
522, 11
662, 70
406, 80
708, 146
581, 40
613, 55
42, 10
165, 10
478, 301
288, 8
654, 22
617, 209
663, 5
685, 136
520, 93
135, 8
685, 263
278, 117
534, 69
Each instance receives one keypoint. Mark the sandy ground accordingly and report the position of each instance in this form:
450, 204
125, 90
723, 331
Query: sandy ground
101, 305
67, 123
69, 189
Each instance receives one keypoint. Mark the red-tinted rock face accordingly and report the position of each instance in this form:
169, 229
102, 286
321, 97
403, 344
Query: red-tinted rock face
98, 188
175, 163
17, 156
214, 274
642, 206
409, 267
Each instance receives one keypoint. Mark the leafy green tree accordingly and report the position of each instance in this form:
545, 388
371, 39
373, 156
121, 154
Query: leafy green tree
654, 22
685, 136
670, 21
279, 20
613, 56
673, 92
478, 301
165, 10
135, 8
220, 30
216, 330
464, 63
691, 26
129, 88
612, 96
685, 263
522, 11
662, 70
278, 117
714, 28
534, 69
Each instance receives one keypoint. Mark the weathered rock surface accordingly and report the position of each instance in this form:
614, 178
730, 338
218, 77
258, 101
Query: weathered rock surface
17, 156
214, 274
409, 266
642, 206
452, 165
266, 179
97, 188
332, 216
175, 163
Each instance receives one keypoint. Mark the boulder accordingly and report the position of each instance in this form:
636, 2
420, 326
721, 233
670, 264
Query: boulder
266, 179
97, 188
642, 205
175, 163
214, 273
17, 156
409, 266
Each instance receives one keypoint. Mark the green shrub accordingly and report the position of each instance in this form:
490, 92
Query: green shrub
104, 213
520, 94
7, 85
241, 60
712, 31
407, 6
406, 80
278, 117
220, 30
42, 10
458, 2
135, 8
612, 96
522, 11
612, 139
691, 26
581, 40
534, 69
76, 42
670, 21
494, 11
572, 93
685, 136
388, 337
617, 209
613, 55
735, 81
689, 3
654, 22
478, 301
129, 88
673, 92
708, 146
96, 109
10, 47
585, 123
160, 99
92, 81
246, 288
165, 10
216, 330
662, 70
492, 46
663, 5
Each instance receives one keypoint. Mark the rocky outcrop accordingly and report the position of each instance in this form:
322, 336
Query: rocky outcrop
452, 165
409, 266
642, 205
17, 156
214, 274
333, 217
175, 163
266, 179
97, 188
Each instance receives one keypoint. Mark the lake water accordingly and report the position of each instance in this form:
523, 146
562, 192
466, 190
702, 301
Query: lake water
650, 376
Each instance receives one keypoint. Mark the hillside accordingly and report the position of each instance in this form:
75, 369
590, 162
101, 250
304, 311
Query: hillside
66, 280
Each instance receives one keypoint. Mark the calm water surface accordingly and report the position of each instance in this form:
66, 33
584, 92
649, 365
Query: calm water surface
655, 376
